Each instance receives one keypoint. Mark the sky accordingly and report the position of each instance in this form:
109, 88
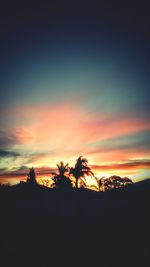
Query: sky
74, 82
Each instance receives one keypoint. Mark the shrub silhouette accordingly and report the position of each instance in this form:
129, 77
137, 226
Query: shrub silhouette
81, 169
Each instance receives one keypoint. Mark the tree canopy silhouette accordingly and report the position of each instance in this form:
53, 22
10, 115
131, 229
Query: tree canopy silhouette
31, 176
81, 169
61, 180
113, 182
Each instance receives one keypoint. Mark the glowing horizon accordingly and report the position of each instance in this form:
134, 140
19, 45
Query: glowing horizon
114, 144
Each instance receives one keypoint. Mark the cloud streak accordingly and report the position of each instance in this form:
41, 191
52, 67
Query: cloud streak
71, 120
10, 137
5, 154
132, 165
64, 131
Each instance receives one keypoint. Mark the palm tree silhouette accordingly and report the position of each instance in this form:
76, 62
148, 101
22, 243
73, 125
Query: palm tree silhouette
62, 168
60, 180
81, 169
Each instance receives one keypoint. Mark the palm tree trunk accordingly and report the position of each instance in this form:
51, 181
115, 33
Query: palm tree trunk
77, 182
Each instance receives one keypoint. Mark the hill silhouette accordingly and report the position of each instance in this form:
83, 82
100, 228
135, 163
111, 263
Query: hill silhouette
52, 227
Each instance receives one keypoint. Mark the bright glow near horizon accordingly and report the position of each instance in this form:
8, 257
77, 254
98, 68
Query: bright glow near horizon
67, 130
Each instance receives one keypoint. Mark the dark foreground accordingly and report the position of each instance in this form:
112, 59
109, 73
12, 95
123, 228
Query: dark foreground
45, 227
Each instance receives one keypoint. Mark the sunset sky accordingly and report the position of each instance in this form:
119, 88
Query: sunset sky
75, 81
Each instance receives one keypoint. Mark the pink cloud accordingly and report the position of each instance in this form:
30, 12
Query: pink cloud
65, 129
67, 126
103, 127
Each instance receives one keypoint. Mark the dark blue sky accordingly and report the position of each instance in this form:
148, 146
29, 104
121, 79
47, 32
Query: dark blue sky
56, 40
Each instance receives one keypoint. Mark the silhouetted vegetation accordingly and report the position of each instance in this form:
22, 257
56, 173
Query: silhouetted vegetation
68, 225
77, 176
31, 179
60, 180
81, 169
113, 182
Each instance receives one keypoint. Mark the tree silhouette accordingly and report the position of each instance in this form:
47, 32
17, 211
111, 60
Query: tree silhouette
113, 182
31, 177
62, 168
61, 180
127, 181
81, 169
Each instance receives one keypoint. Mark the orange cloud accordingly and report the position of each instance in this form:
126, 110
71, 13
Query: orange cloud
133, 164
47, 134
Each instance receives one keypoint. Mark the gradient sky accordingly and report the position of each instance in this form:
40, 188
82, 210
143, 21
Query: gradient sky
75, 81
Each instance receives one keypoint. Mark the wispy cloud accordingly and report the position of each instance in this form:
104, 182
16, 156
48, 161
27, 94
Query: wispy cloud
5, 154
23, 171
67, 130
10, 137
132, 165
